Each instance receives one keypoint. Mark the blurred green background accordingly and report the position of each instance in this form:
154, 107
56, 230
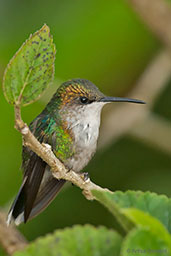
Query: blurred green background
107, 43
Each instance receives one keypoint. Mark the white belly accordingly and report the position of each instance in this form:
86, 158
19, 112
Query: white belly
85, 147
86, 131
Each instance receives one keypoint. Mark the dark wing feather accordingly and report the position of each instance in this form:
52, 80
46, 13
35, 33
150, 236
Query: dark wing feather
34, 177
47, 194
18, 205
37, 191
23, 204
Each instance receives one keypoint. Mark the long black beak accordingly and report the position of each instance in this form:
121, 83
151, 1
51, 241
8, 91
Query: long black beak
118, 99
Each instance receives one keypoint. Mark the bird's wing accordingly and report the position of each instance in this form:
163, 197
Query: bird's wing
39, 187
46, 195
34, 176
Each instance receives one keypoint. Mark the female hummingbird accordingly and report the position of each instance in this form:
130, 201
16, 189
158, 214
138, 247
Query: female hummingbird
70, 124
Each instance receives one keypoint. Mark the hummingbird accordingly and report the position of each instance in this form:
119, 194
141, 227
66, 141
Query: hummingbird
70, 125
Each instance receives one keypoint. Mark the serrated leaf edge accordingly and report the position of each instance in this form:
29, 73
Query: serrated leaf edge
14, 56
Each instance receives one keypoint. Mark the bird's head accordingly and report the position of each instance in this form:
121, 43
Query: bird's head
83, 92
82, 96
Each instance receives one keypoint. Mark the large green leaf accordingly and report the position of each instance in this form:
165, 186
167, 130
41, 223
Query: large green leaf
31, 69
158, 206
77, 241
140, 214
154, 227
142, 242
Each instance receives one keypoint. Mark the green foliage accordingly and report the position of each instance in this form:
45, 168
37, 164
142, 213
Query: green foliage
139, 213
79, 240
31, 69
158, 206
144, 220
145, 234
142, 242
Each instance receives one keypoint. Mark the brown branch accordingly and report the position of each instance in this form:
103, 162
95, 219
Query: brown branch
10, 238
157, 15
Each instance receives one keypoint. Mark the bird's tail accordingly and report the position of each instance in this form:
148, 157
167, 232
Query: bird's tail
47, 192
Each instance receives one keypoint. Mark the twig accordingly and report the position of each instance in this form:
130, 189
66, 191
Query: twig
45, 152
157, 15
10, 238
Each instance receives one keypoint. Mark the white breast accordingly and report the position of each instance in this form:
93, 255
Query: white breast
85, 123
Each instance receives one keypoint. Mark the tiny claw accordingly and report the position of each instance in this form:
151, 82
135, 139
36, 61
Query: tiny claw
68, 170
47, 146
85, 177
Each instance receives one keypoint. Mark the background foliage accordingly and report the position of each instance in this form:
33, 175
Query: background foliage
107, 43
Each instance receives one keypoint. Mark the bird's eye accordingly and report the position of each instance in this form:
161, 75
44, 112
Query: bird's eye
84, 100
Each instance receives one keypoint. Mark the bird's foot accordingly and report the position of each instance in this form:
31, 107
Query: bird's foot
47, 146
68, 170
85, 176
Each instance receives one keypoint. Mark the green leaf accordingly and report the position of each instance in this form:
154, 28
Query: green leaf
158, 206
76, 241
142, 242
150, 233
154, 226
31, 69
